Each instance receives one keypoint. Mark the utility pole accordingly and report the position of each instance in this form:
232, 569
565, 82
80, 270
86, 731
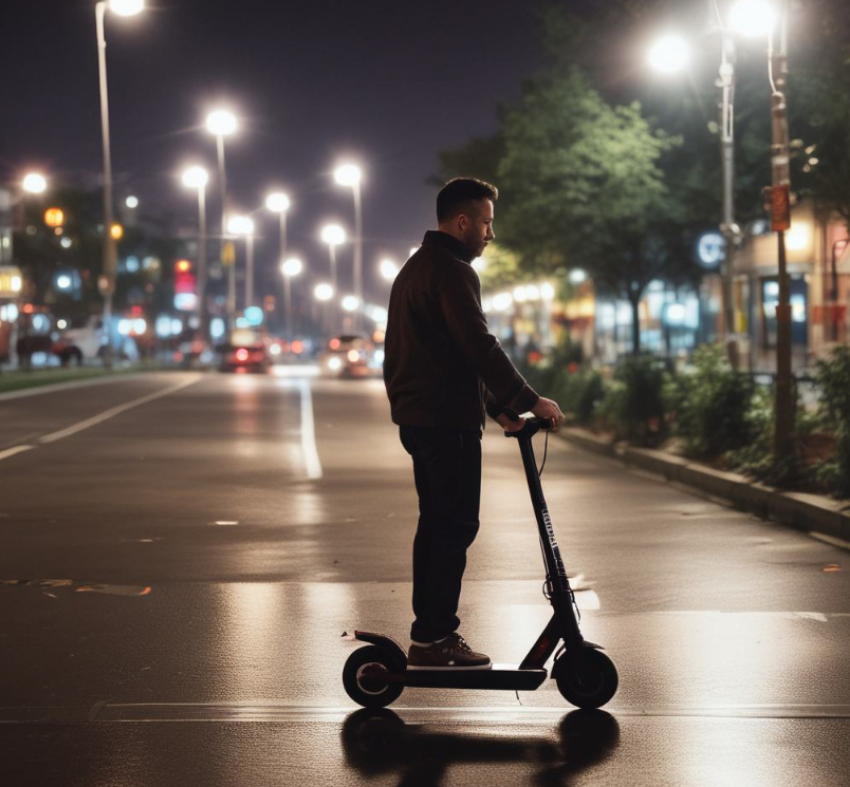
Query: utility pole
784, 402
731, 231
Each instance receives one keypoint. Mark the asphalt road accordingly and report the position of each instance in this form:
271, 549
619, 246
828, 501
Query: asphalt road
181, 553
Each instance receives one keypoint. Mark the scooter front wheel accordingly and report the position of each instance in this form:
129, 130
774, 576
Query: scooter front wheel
587, 679
364, 678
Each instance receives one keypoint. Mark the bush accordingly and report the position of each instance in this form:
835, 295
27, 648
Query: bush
833, 379
634, 405
709, 406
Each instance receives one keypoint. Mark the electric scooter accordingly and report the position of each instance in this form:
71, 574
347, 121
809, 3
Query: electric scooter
375, 676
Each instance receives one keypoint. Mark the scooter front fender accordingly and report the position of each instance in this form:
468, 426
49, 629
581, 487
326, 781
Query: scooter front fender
393, 649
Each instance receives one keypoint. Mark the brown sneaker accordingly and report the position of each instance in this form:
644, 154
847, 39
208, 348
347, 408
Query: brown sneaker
449, 653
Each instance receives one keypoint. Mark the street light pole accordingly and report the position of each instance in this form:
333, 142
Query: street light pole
783, 442
728, 226
278, 202
222, 123
202, 259
231, 269
351, 175
249, 270
109, 255
197, 178
289, 268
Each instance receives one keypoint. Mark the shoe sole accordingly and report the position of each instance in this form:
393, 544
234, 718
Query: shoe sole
450, 669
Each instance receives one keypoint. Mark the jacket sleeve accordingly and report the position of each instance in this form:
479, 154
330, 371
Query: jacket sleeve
460, 301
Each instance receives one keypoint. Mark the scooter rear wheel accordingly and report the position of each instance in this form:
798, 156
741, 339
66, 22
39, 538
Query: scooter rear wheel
363, 676
587, 679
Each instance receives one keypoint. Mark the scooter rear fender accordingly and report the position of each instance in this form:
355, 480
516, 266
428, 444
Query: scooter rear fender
395, 651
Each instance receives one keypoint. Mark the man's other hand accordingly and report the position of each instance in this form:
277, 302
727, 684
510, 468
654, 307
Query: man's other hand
508, 424
546, 408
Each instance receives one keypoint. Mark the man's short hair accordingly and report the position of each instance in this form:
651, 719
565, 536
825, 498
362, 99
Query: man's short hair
456, 195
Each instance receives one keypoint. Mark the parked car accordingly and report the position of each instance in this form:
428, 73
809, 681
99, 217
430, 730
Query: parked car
348, 355
244, 349
87, 341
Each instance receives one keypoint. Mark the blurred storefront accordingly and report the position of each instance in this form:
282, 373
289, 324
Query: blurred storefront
818, 262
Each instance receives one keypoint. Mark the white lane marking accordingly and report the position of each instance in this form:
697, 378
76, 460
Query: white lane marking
308, 433
112, 412
18, 449
51, 387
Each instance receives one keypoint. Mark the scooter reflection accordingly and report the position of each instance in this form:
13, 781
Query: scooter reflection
378, 742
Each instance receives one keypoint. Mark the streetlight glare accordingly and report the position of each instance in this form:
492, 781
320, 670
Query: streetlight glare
221, 122
333, 235
752, 18
240, 225
195, 177
350, 303
389, 270
132, 202
348, 175
669, 54
34, 183
278, 202
291, 267
126, 7
323, 292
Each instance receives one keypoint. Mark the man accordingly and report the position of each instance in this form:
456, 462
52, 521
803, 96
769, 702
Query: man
442, 370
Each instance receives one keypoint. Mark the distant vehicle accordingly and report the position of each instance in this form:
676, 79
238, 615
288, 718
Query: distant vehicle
244, 349
348, 355
88, 342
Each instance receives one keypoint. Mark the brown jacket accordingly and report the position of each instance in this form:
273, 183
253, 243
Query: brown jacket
442, 366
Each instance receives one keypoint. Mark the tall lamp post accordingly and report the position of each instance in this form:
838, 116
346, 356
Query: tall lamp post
109, 259
197, 178
334, 236
243, 226
351, 175
288, 269
785, 404
221, 123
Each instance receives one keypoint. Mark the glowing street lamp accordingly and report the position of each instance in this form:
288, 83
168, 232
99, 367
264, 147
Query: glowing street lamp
197, 178
222, 123
289, 269
107, 282
350, 175
752, 18
34, 183
243, 226
323, 291
350, 303
132, 202
126, 7
670, 54
389, 270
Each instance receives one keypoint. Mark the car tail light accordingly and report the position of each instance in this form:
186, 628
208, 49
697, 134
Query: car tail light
241, 354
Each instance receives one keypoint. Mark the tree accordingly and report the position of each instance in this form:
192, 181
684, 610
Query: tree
583, 188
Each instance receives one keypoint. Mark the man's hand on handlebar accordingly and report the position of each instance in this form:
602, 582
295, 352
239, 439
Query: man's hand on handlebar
508, 424
547, 408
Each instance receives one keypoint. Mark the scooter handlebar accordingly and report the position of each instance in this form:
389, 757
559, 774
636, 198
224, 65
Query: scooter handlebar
531, 427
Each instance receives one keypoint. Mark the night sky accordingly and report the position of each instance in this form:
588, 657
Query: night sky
386, 82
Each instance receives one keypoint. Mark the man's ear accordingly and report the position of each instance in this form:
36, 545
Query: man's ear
462, 222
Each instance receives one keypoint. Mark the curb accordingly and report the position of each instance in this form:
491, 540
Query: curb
801, 511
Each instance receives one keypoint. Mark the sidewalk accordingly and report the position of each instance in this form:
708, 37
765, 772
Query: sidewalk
820, 516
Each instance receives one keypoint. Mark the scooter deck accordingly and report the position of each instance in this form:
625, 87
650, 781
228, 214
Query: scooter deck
507, 677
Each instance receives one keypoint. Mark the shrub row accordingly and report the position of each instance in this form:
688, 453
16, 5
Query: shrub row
717, 414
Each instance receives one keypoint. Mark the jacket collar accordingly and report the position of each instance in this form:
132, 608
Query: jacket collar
449, 243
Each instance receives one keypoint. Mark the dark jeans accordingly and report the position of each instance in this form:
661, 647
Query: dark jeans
447, 471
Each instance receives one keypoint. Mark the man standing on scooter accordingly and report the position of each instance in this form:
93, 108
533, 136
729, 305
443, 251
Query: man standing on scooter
443, 370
